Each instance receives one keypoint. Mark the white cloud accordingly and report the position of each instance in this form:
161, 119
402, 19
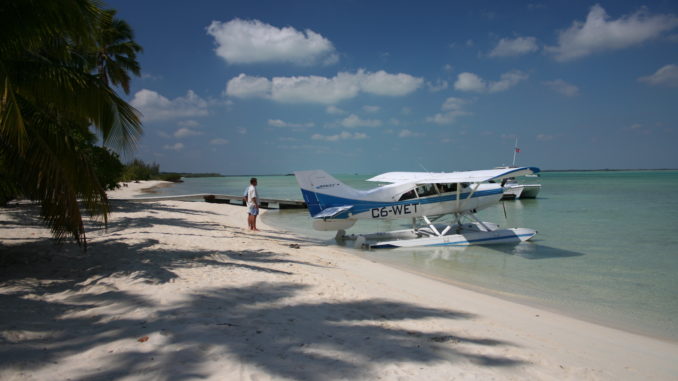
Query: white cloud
245, 86
334, 110
562, 87
353, 121
408, 134
342, 136
545, 137
518, 46
472, 82
154, 106
438, 85
241, 130
316, 89
383, 83
188, 123
469, 82
219, 142
451, 109
184, 132
280, 123
174, 147
506, 81
453, 104
252, 41
598, 33
371, 109
665, 76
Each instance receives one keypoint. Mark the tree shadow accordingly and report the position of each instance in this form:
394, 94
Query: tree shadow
255, 326
61, 302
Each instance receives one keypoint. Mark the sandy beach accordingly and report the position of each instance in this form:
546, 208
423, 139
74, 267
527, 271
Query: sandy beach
182, 290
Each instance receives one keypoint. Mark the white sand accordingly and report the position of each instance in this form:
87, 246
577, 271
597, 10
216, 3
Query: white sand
181, 290
132, 189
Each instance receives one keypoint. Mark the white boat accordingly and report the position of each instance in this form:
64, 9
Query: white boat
513, 190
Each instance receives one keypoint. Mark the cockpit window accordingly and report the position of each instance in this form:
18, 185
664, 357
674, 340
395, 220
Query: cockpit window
447, 188
408, 195
426, 190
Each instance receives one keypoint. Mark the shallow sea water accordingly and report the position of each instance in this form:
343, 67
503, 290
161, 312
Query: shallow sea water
606, 251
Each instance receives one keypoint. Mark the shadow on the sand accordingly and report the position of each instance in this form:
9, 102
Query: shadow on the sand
258, 325
254, 325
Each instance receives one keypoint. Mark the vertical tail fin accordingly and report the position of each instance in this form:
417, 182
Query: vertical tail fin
320, 190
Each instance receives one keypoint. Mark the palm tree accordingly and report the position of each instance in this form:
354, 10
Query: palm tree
49, 99
116, 52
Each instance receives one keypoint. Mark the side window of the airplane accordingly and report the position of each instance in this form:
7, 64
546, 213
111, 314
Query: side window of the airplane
426, 190
447, 188
408, 195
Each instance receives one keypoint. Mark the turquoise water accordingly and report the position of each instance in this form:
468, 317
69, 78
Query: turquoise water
607, 248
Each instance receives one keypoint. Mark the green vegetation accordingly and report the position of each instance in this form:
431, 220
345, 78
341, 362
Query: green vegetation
138, 170
59, 64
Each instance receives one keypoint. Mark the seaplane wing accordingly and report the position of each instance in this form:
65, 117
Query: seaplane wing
453, 177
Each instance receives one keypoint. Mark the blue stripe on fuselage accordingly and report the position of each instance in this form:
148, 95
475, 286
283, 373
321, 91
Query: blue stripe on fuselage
359, 206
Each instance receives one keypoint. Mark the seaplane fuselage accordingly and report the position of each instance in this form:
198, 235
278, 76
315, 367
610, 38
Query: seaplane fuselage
336, 206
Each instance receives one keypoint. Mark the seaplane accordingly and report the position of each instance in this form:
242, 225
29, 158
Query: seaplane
423, 197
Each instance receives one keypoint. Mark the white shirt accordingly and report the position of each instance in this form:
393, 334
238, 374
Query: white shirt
251, 195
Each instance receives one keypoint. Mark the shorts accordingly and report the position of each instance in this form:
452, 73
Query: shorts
253, 210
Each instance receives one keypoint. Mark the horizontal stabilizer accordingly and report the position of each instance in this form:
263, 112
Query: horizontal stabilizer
333, 211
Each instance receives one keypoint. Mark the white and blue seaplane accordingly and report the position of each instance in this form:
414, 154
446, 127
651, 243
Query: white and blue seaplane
422, 197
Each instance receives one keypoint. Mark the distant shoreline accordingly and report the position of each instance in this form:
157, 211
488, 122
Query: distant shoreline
368, 174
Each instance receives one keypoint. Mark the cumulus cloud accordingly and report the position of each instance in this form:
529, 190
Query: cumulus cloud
506, 81
154, 106
317, 89
246, 86
345, 135
383, 83
408, 133
438, 85
665, 76
598, 33
562, 87
184, 132
334, 110
353, 121
371, 109
252, 41
174, 147
188, 123
219, 142
451, 109
280, 123
472, 82
518, 46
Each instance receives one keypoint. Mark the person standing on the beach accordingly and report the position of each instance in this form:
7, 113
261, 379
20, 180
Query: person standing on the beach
252, 204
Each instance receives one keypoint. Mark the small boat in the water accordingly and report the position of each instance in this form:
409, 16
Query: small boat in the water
512, 189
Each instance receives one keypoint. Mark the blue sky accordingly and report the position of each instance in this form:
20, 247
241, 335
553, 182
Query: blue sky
265, 87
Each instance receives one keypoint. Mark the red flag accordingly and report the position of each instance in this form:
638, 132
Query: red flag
517, 149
